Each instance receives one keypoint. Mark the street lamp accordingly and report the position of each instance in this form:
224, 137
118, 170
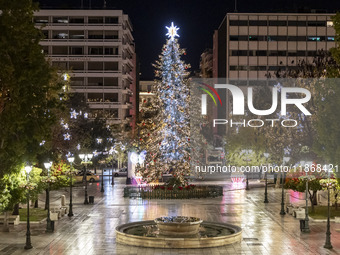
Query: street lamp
102, 188
328, 244
305, 228
112, 151
247, 152
283, 177
86, 159
70, 212
28, 232
49, 224
266, 181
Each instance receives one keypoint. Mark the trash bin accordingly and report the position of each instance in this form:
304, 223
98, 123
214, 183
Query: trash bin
91, 199
52, 225
302, 225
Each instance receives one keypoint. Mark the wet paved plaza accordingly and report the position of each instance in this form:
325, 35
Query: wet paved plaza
92, 228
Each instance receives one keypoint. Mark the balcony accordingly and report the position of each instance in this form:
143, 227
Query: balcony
129, 47
128, 76
128, 61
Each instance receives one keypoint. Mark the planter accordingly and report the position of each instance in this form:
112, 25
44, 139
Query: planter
178, 226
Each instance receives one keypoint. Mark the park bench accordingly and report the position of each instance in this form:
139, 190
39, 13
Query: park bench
12, 219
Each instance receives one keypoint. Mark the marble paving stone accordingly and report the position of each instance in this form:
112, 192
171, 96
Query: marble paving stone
92, 228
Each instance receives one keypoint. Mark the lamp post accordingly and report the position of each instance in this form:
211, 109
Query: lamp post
247, 152
266, 181
283, 177
112, 179
112, 151
70, 212
328, 244
49, 224
28, 244
306, 229
102, 186
86, 159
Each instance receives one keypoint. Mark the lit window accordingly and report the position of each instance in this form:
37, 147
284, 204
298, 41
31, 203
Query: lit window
329, 23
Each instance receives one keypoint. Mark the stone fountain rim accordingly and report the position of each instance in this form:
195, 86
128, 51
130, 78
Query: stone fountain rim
237, 232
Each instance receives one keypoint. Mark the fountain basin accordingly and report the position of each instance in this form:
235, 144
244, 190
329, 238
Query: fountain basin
178, 226
146, 234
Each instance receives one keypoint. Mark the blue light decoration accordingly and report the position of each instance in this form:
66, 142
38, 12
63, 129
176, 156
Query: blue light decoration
67, 136
74, 114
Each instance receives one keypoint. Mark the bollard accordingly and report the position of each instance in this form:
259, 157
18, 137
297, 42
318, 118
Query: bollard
63, 200
91, 199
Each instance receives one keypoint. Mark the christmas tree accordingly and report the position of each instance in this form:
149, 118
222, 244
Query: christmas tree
165, 128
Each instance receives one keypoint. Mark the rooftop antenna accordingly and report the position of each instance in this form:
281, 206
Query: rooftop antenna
235, 6
104, 5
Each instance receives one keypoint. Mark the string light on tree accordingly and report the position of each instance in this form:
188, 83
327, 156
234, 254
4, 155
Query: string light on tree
165, 135
74, 114
67, 136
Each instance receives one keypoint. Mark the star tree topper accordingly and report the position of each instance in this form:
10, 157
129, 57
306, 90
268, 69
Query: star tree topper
172, 31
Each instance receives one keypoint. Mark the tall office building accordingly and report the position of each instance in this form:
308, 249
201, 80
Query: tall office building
249, 46
255, 45
97, 48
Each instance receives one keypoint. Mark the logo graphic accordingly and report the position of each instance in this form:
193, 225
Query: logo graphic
238, 105
204, 97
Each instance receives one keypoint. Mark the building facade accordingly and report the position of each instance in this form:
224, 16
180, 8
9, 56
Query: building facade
206, 64
255, 45
96, 49
146, 91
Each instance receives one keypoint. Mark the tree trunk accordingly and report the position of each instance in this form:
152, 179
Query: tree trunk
46, 190
278, 180
315, 201
312, 198
6, 227
16, 209
336, 201
36, 205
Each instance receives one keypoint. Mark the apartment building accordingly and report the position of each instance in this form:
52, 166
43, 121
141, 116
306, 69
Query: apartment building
96, 49
255, 45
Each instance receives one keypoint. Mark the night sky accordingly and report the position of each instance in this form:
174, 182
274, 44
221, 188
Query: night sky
197, 21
